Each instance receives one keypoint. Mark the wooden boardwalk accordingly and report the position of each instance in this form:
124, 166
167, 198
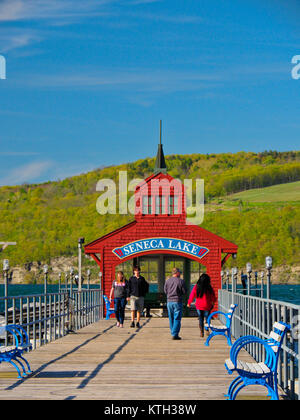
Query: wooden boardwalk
104, 362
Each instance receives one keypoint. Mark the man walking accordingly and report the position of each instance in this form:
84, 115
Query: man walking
175, 289
137, 289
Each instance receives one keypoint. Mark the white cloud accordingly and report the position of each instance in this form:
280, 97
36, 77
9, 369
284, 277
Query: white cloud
142, 80
26, 173
16, 10
13, 39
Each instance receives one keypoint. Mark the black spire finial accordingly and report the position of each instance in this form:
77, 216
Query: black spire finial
160, 164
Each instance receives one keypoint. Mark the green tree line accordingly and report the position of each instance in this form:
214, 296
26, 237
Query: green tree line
47, 219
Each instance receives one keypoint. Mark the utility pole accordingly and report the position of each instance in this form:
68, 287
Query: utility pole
80, 243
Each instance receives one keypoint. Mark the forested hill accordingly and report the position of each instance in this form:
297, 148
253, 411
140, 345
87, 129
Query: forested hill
47, 219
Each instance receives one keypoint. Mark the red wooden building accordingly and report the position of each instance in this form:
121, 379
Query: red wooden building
161, 236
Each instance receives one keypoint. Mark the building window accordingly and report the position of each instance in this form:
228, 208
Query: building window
149, 269
196, 270
160, 203
173, 204
147, 204
176, 209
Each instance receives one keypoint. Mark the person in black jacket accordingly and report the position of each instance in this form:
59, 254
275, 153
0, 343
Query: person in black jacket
137, 289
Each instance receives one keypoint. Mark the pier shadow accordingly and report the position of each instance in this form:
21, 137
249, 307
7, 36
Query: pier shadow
38, 371
95, 372
62, 374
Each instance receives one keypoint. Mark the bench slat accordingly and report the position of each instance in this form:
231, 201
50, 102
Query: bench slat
256, 368
279, 326
275, 336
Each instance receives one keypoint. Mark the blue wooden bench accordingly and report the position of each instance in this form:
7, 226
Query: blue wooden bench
109, 310
13, 354
258, 373
224, 330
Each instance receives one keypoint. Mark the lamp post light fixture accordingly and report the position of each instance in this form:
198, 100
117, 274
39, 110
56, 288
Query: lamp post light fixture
269, 262
269, 265
234, 273
88, 274
6, 266
249, 271
46, 270
71, 279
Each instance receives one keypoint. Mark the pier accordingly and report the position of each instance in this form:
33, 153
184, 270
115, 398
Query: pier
104, 362
79, 355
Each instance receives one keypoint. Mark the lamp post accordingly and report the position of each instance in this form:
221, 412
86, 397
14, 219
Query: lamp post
76, 278
5, 273
227, 278
66, 281
234, 272
269, 265
88, 273
262, 284
59, 282
249, 271
71, 280
80, 243
45, 269
256, 276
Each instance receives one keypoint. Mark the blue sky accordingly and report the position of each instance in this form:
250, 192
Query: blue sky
88, 81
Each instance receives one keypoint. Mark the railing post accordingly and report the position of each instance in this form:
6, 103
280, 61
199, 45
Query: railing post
6, 303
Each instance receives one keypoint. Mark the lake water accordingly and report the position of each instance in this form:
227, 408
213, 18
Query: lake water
282, 292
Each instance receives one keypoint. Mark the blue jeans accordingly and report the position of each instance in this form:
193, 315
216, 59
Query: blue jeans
201, 316
175, 315
120, 304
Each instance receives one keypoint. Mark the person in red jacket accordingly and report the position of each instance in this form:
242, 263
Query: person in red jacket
205, 299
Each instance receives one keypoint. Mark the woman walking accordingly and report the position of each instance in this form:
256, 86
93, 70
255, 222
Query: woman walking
205, 299
120, 290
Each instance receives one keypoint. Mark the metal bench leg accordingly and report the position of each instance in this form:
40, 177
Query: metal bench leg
209, 338
27, 364
272, 393
17, 368
234, 387
233, 396
21, 364
229, 339
233, 384
275, 386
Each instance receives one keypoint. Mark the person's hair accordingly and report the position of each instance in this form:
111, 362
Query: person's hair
136, 267
123, 277
203, 285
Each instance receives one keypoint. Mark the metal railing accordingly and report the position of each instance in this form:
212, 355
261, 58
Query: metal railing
47, 317
255, 316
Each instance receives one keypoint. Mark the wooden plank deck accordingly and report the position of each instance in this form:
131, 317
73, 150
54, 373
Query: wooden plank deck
104, 362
